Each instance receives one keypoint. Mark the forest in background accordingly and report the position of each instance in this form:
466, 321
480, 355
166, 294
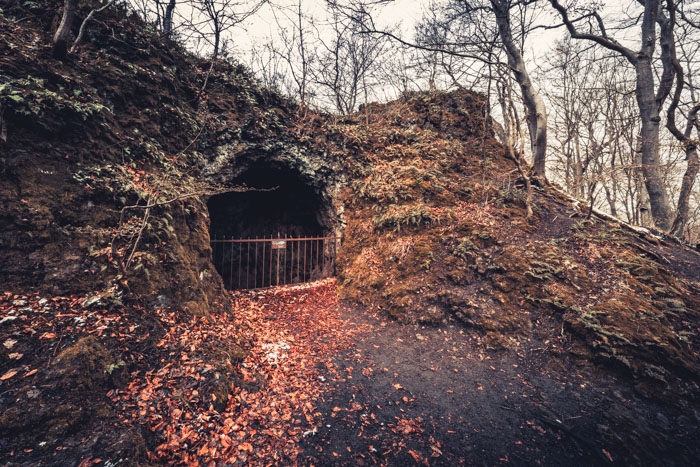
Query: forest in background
601, 99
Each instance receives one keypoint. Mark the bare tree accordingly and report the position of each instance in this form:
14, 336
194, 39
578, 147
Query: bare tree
400, 72
595, 122
346, 63
152, 11
536, 110
270, 68
465, 30
292, 47
684, 137
650, 97
216, 17
442, 56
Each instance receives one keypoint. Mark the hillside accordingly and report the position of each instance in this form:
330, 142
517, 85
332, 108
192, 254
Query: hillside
111, 306
437, 228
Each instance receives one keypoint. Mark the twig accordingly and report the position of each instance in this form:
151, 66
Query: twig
59, 343
81, 32
194, 140
206, 80
144, 223
3, 125
150, 204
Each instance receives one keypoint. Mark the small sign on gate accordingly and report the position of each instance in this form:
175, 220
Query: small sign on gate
279, 244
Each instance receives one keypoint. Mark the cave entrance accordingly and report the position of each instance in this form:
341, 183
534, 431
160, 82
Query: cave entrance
275, 231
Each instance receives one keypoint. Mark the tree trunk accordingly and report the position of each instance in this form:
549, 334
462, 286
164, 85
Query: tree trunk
651, 159
168, 19
611, 197
691, 172
690, 146
536, 110
643, 210
217, 41
60, 39
649, 109
648, 100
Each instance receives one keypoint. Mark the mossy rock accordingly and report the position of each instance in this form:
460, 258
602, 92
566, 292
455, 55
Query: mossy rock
127, 446
628, 330
87, 365
196, 308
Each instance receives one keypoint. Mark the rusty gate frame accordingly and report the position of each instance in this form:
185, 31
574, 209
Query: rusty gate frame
315, 262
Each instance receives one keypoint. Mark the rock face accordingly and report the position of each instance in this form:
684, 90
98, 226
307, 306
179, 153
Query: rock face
109, 163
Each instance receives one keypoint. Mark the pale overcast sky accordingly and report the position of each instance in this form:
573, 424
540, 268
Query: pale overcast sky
263, 24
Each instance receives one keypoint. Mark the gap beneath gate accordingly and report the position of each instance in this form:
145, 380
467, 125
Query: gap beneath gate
267, 262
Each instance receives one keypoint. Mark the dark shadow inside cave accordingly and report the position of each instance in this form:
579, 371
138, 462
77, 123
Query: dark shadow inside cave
278, 203
256, 232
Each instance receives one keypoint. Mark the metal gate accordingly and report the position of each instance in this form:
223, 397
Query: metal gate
265, 262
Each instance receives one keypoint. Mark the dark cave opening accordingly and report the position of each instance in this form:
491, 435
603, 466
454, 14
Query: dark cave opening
276, 231
278, 203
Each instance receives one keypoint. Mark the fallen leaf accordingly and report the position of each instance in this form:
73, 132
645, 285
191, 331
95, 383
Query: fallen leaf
8, 375
9, 343
607, 454
418, 457
246, 447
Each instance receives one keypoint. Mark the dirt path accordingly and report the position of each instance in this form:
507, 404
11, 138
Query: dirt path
321, 384
411, 395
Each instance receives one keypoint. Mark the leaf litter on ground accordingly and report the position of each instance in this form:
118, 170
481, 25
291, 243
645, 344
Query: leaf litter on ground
295, 335
292, 335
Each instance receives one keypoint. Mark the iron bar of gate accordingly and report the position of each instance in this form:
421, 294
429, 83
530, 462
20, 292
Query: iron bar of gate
262, 275
298, 254
240, 248
270, 264
304, 262
266, 262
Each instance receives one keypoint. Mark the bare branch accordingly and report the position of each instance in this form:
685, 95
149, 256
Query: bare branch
81, 32
602, 39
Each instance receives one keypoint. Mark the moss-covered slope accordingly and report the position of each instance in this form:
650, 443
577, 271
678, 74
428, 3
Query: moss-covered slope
106, 163
437, 229
123, 124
